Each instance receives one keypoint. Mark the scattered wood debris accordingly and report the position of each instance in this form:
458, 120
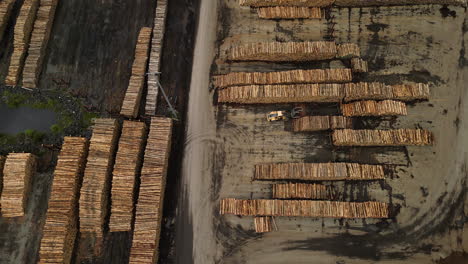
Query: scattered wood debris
318, 171
145, 245
131, 102
61, 224
126, 170
396, 137
94, 204
22, 36
17, 178
304, 208
320, 123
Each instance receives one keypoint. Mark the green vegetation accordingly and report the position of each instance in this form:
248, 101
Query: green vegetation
13, 100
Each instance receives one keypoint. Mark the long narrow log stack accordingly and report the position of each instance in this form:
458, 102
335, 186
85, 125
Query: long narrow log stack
94, 199
374, 108
155, 56
22, 36
2, 164
131, 102
126, 169
6, 7
318, 171
304, 208
283, 77
321, 123
61, 224
301, 191
289, 12
17, 183
396, 137
38, 45
151, 197
380, 91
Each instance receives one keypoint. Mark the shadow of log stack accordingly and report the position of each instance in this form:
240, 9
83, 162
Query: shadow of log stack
61, 224
6, 7
18, 171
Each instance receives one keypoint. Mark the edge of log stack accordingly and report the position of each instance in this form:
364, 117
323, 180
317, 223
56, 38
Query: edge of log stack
61, 223
289, 12
263, 3
304, 208
374, 108
18, 171
283, 77
126, 171
348, 51
2, 164
332, 171
395, 137
264, 224
95, 190
359, 65
283, 51
38, 44
321, 123
22, 36
149, 208
301, 191
6, 7
132, 99
155, 57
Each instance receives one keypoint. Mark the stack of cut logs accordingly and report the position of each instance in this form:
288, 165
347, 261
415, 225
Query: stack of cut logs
320, 123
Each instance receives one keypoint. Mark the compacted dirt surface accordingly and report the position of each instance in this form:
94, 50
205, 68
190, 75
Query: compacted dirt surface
426, 186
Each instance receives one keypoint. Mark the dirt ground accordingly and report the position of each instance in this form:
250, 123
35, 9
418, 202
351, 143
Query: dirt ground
425, 185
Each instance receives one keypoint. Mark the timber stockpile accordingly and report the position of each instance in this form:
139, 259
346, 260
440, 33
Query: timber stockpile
126, 169
321, 123
301, 191
2, 164
380, 91
269, 94
22, 36
396, 137
155, 57
94, 204
149, 208
344, 3
318, 171
38, 44
131, 102
289, 12
304, 208
297, 52
61, 224
283, 77
264, 224
18, 171
6, 7
374, 108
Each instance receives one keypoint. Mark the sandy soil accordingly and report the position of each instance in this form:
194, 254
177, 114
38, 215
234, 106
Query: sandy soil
426, 185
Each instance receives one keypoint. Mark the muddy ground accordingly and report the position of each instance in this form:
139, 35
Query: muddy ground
426, 186
89, 57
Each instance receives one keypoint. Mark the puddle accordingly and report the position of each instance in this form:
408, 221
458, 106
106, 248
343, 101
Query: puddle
16, 120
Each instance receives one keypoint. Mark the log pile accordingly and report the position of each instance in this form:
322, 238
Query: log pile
289, 12
155, 56
61, 222
318, 171
283, 51
264, 224
320, 123
126, 170
374, 108
151, 197
380, 91
131, 102
301, 191
359, 65
6, 7
364, 3
266, 94
348, 51
22, 36
38, 44
304, 208
17, 177
396, 137
260, 3
2, 164
94, 204
283, 77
